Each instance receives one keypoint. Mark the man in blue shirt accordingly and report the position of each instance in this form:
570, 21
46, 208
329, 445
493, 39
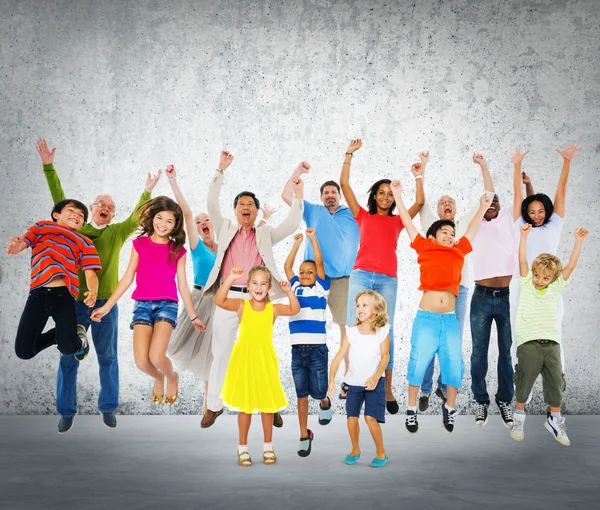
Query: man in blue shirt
338, 236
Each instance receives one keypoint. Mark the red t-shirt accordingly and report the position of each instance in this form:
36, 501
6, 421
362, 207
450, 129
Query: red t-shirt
378, 243
441, 266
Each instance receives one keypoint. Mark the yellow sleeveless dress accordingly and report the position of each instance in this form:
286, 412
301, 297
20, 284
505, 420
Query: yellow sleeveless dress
252, 382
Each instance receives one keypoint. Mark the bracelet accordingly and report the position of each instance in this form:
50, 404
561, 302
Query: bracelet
170, 177
192, 320
349, 153
418, 177
221, 171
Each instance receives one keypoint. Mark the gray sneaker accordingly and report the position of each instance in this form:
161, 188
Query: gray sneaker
66, 423
110, 420
82, 353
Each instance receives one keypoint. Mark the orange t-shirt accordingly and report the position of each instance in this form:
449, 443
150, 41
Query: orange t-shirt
441, 266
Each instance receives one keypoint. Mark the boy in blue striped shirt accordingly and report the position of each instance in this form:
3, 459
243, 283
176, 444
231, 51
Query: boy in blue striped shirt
309, 337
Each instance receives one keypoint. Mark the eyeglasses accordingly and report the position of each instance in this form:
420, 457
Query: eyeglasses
111, 208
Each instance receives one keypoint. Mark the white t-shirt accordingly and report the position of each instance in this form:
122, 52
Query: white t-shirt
542, 239
364, 355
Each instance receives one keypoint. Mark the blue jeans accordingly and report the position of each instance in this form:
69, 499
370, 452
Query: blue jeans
386, 285
487, 305
461, 311
104, 335
309, 370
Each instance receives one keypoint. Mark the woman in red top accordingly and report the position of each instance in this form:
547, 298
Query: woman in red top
376, 266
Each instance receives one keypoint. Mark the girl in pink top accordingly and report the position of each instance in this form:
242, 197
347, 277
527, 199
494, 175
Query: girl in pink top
376, 266
157, 262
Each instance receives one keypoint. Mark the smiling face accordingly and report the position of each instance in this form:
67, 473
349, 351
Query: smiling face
246, 211
537, 213
384, 198
163, 223
446, 208
103, 210
331, 198
444, 236
204, 227
542, 277
259, 284
493, 209
70, 217
307, 274
365, 308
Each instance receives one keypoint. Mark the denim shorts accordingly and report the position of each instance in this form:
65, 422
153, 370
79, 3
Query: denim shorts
151, 312
374, 401
309, 369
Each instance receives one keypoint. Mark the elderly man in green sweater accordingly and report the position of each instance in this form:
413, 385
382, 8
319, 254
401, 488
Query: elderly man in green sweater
108, 238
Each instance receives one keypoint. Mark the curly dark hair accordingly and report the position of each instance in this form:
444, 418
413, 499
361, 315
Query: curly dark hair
538, 197
145, 215
372, 203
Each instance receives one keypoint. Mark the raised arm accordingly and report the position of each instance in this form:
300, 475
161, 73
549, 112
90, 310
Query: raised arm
129, 225
418, 170
288, 189
517, 159
292, 221
52, 179
580, 234
475, 223
289, 261
214, 191
345, 177
560, 197
186, 295
188, 215
221, 299
523, 267
402, 211
312, 235
528, 184
287, 310
488, 183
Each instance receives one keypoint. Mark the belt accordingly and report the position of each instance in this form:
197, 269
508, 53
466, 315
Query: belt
199, 287
239, 289
494, 291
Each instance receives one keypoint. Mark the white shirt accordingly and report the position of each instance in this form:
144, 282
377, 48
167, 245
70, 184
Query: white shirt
542, 239
364, 355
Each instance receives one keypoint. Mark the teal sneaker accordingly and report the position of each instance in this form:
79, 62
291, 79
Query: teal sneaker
351, 459
379, 462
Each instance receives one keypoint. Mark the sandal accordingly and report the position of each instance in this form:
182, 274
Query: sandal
244, 459
306, 444
171, 400
269, 457
344, 391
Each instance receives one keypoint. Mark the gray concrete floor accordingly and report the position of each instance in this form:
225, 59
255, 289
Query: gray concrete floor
170, 462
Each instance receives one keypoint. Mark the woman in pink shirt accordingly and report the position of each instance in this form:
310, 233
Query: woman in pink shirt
376, 266
158, 264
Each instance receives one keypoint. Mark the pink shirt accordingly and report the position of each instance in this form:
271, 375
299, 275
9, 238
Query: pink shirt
242, 252
495, 247
155, 277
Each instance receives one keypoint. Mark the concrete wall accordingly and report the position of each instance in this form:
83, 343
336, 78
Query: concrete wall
123, 89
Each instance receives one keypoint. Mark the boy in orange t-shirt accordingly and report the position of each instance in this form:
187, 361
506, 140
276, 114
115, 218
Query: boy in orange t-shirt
435, 328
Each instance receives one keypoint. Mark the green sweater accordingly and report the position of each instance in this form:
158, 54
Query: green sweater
108, 240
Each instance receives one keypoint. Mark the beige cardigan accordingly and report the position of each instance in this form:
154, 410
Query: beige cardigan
266, 237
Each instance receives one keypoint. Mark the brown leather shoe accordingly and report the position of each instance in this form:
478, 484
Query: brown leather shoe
209, 418
277, 420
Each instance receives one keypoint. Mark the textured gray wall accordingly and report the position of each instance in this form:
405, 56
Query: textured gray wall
126, 89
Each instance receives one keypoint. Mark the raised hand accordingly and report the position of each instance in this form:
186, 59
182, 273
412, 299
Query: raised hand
397, 187
311, 233
581, 233
354, 145
151, 181
484, 200
298, 184
170, 171
286, 286
525, 229
225, 160
298, 238
478, 159
303, 168
526, 178
569, 151
46, 154
236, 272
267, 211
417, 169
424, 157
199, 325
90, 298
15, 246
518, 156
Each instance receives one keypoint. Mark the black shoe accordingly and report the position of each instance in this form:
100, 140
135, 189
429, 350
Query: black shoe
81, 354
506, 413
481, 414
110, 420
423, 403
441, 394
66, 423
392, 406
306, 444
448, 417
412, 425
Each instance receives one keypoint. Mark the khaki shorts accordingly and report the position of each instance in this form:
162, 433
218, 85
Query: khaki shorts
338, 299
539, 357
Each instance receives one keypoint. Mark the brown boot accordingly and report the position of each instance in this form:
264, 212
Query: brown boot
209, 418
277, 420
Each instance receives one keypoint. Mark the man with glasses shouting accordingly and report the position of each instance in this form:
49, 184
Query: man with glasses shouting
108, 238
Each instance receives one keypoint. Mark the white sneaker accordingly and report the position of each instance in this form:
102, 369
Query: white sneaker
518, 429
557, 428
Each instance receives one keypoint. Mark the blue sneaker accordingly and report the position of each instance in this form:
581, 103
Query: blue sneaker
351, 459
379, 462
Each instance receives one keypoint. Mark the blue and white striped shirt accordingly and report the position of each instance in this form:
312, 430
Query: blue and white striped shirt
308, 325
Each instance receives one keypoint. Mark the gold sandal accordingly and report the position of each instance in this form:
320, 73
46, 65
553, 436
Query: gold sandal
269, 457
158, 399
171, 400
244, 459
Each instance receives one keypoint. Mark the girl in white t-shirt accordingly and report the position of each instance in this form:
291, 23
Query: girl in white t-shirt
367, 345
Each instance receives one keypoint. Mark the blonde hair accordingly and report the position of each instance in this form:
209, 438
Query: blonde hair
380, 318
549, 263
258, 269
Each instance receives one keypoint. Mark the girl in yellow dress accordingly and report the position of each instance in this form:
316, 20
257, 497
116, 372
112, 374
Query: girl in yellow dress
252, 382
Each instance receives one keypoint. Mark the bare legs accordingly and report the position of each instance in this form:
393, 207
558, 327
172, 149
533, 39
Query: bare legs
376, 434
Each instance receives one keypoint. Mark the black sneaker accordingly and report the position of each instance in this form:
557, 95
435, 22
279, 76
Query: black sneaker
412, 425
481, 414
424, 402
448, 417
441, 394
81, 354
66, 423
110, 420
506, 413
